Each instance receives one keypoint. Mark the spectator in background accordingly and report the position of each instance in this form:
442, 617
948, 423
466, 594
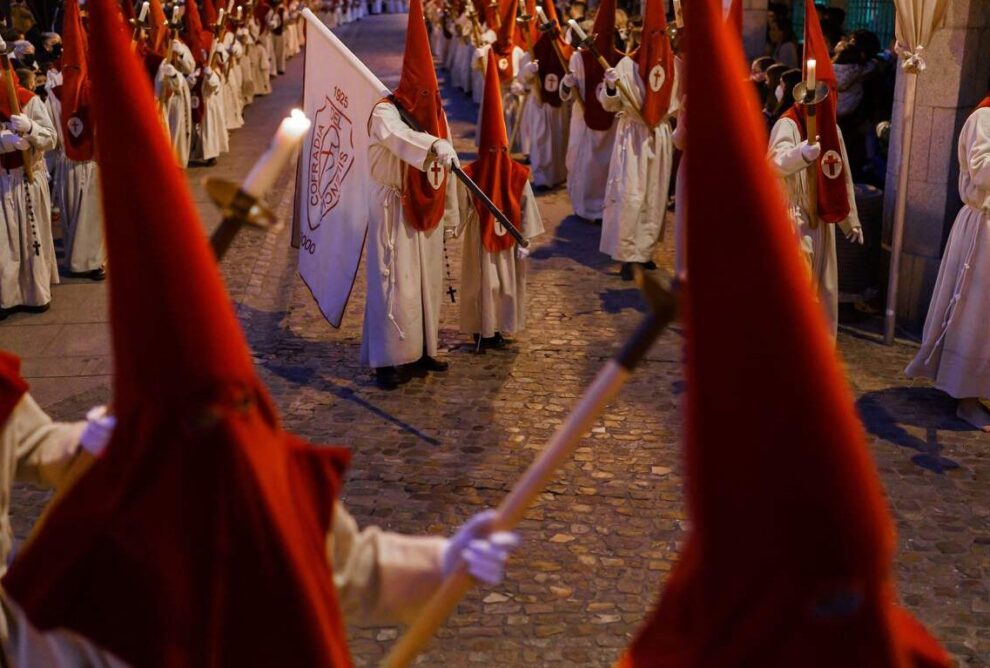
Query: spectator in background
758, 75
782, 46
783, 95
770, 101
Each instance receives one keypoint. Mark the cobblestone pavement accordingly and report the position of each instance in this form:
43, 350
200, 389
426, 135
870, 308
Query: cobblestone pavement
605, 533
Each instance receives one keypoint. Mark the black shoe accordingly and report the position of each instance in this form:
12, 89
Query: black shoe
389, 378
597, 221
97, 274
4, 312
497, 342
36, 309
627, 271
649, 266
428, 363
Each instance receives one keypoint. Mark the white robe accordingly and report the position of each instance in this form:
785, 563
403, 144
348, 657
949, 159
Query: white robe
461, 73
277, 24
405, 266
78, 196
588, 155
543, 132
818, 245
510, 102
493, 285
178, 107
211, 139
28, 266
259, 58
638, 173
479, 64
955, 351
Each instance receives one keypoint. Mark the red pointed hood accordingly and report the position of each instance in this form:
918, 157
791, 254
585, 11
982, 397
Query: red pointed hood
505, 33
419, 94
500, 177
203, 524
12, 386
789, 558
595, 115
526, 35
209, 16
545, 51
74, 94
656, 63
127, 9
604, 29
158, 31
194, 37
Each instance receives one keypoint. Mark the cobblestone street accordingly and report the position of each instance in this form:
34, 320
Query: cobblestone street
434, 452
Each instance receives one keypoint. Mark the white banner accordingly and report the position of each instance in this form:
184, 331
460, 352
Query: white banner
332, 185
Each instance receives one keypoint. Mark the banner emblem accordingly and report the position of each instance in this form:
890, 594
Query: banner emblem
75, 126
551, 83
657, 77
330, 160
832, 164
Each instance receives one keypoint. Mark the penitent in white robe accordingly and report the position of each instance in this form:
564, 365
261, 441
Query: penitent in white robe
28, 266
588, 154
178, 107
261, 66
955, 351
818, 245
493, 285
405, 266
543, 132
510, 102
211, 139
638, 173
479, 64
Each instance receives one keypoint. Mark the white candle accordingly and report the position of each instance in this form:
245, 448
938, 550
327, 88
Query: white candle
144, 12
220, 16
577, 30
240, 12
175, 15
287, 138
812, 71
543, 17
230, 7
678, 14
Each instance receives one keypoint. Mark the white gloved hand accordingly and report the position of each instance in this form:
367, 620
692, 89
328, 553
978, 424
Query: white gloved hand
21, 124
611, 77
516, 88
9, 142
569, 81
445, 154
169, 71
522, 253
531, 69
207, 71
810, 152
484, 553
99, 429
855, 235
177, 47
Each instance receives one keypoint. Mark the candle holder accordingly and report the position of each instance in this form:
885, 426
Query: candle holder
805, 98
238, 209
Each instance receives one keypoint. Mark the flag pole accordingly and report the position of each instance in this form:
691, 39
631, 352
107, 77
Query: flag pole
588, 42
603, 389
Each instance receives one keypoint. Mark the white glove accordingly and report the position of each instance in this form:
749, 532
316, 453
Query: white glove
208, 72
516, 88
9, 142
531, 68
810, 152
611, 77
191, 80
21, 124
177, 47
569, 81
99, 429
169, 71
484, 553
522, 253
855, 235
445, 154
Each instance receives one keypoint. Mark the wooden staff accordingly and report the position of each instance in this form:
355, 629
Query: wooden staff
15, 105
496, 17
587, 42
599, 394
548, 26
811, 126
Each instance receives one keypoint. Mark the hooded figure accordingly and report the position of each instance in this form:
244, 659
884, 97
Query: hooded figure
545, 118
172, 90
790, 479
643, 155
203, 523
955, 348
77, 182
205, 92
493, 271
507, 57
258, 26
28, 267
412, 197
593, 131
792, 152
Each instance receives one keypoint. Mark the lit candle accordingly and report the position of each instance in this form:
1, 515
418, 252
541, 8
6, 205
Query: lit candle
175, 15
220, 16
144, 12
812, 71
678, 14
287, 138
582, 36
543, 17
240, 12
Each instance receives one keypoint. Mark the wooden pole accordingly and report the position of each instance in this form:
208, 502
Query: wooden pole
599, 394
900, 207
811, 129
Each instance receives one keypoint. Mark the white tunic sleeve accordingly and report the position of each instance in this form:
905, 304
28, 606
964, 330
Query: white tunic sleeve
785, 148
532, 220
979, 150
382, 577
852, 220
43, 449
43, 135
390, 131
